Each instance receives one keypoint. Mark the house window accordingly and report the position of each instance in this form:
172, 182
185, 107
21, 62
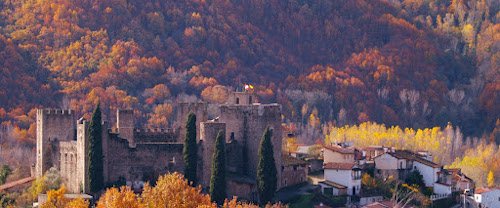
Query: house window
250, 100
400, 165
237, 100
295, 167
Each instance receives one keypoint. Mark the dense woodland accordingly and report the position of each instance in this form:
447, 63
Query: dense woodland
412, 63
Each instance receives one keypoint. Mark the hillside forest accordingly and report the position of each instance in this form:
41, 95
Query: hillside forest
411, 63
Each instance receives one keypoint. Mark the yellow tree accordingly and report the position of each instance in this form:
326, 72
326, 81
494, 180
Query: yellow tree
172, 190
56, 199
123, 197
491, 179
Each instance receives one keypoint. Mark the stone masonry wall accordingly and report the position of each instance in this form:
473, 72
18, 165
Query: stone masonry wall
145, 162
69, 162
52, 125
259, 117
208, 134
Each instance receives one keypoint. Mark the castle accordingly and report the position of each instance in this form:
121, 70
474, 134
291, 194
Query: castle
137, 155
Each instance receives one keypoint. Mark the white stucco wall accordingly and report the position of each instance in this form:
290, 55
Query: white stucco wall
491, 199
441, 189
343, 177
429, 173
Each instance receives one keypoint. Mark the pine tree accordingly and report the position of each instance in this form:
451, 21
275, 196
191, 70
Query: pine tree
491, 179
190, 149
95, 152
266, 169
218, 178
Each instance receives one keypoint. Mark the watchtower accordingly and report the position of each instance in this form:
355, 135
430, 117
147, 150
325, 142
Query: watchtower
125, 124
52, 125
241, 98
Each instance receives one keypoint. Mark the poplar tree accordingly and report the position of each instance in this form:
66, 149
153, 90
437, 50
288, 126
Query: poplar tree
96, 177
190, 150
266, 169
218, 177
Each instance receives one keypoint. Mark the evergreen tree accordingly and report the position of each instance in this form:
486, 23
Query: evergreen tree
266, 169
415, 178
218, 178
95, 152
190, 150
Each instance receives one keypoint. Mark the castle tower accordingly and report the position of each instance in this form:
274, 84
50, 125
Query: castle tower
241, 98
183, 110
52, 125
125, 124
82, 147
208, 134
247, 124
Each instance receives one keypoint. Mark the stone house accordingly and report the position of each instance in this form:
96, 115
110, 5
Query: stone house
294, 171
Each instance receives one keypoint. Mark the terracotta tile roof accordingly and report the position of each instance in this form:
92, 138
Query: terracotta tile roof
289, 161
409, 155
484, 190
339, 149
333, 184
340, 166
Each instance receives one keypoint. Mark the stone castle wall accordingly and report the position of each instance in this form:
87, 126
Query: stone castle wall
144, 162
52, 126
183, 110
69, 164
136, 154
255, 119
208, 134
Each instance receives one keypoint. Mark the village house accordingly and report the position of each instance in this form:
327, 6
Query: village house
373, 151
341, 179
487, 197
398, 163
340, 154
459, 181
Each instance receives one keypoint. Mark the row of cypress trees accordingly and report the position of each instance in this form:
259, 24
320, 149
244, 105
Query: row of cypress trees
266, 168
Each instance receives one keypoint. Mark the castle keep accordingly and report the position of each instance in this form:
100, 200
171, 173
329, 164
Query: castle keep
136, 155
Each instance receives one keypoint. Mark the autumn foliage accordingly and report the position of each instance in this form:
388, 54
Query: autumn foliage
171, 190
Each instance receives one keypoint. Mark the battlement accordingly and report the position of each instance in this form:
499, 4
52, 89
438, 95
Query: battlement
153, 130
154, 135
61, 112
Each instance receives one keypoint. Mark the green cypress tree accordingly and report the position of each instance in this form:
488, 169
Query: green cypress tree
190, 150
266, 169
218, 178
95, 152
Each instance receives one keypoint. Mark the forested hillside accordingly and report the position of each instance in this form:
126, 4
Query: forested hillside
414, 63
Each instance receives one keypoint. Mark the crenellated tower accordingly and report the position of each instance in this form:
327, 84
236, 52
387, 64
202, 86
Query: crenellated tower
52, 125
